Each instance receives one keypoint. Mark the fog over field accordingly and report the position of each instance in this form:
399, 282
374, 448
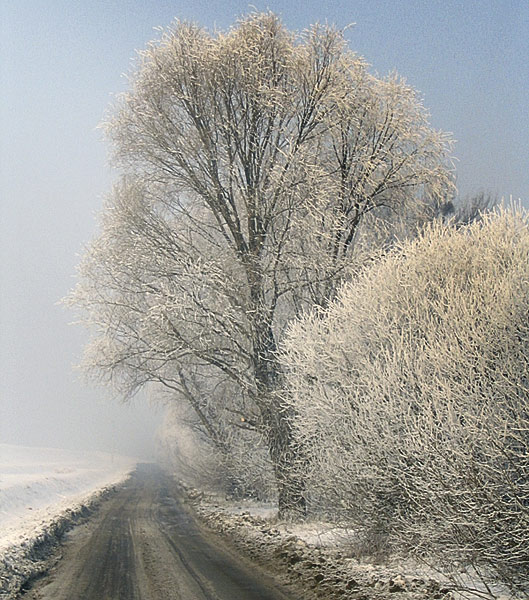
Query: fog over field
62, 62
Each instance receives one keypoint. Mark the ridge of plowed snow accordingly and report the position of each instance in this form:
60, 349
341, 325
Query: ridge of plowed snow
38, 484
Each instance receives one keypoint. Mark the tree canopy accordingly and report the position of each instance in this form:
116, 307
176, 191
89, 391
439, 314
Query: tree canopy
252, 162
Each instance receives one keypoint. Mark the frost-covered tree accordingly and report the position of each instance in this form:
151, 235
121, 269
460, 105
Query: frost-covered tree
412, 398
468, 209
187, 450
250, 159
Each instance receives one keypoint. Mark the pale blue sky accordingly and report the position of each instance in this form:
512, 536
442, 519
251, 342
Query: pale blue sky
61, 61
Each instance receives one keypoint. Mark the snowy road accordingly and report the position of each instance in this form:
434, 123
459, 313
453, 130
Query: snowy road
145, 545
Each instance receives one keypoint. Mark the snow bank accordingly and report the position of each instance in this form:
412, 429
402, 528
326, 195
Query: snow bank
311, 558
38, 484
43, 491
324, 558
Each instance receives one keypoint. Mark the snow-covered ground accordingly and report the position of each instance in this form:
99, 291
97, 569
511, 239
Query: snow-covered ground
309, 555
325, 556
42, 490
38, 484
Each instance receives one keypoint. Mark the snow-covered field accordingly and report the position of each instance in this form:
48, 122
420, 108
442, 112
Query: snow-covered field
38, 488
38, 484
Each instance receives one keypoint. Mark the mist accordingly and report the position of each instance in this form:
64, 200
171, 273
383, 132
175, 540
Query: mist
61, 64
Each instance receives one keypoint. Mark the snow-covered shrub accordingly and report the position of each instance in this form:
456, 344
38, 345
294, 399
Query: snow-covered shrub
412, 398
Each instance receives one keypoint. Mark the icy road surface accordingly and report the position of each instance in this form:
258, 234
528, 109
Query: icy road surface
144, 545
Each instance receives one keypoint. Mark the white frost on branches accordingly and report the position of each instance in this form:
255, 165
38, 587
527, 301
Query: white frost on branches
254, 162
412, 398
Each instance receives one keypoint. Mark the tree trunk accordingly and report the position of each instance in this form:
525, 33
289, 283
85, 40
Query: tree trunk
287, 461
284, 453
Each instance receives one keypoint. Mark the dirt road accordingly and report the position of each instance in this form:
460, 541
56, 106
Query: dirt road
144, 545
